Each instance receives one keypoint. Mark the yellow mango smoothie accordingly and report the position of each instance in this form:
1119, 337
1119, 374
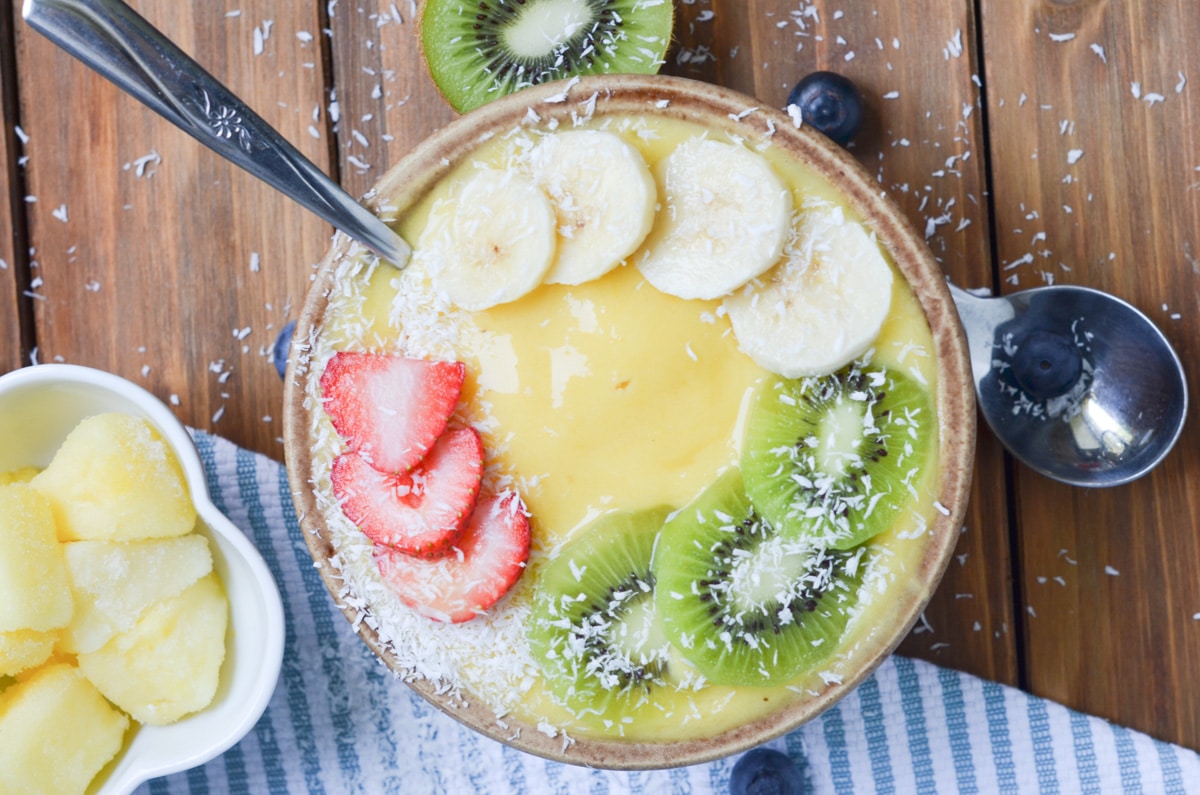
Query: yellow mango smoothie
616, 405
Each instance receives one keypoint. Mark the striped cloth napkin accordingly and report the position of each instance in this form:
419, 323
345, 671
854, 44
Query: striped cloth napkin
340, 723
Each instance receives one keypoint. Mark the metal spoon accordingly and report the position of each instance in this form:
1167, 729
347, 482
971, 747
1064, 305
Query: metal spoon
1076, 383
113, 39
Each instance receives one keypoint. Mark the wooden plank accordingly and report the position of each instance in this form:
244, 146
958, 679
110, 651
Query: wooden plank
159, 261
924, 141
387, 99
1094, 156
10, 286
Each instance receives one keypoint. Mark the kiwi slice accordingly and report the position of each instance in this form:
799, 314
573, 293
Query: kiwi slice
593, 629
837, 457
478, 50
747, 605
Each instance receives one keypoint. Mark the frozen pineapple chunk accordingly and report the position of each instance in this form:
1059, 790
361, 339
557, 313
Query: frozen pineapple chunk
34, 590
114, 478
115, 582
168, 665
21, 649
56, 732
22, 475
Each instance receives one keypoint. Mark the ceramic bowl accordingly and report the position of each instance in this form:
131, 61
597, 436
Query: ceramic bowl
39, 406
721, 112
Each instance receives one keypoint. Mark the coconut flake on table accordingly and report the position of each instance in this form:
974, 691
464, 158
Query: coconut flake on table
954, 47
145, 165
259, 38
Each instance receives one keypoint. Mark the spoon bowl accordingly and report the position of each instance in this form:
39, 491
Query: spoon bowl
1079, 385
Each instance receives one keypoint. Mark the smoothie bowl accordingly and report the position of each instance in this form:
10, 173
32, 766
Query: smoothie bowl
658, 445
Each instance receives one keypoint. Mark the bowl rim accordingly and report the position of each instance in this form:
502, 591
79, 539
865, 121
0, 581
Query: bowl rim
415, 174
125, 773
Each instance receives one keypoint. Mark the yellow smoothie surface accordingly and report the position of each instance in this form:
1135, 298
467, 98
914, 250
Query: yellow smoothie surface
591, 399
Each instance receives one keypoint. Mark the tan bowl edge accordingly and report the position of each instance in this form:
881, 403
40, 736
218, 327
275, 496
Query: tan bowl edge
406, 182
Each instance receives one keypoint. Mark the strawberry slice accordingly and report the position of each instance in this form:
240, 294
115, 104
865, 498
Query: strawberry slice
482, 567
390, 409
422, 513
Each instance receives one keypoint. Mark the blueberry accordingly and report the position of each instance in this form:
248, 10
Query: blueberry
765, 771
831, 104
1046, 365
279, 352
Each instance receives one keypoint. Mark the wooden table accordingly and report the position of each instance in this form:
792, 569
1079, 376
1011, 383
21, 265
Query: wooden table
1034, 141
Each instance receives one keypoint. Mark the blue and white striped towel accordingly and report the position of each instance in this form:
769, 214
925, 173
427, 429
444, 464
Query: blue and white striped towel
340, 723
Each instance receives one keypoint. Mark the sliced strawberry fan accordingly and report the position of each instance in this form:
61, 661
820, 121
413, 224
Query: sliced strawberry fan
422, 513
481, 568
412, 485
390, 409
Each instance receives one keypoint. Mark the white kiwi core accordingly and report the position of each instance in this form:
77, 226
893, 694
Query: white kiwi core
541, 29
841, 433
637, 637
767, 574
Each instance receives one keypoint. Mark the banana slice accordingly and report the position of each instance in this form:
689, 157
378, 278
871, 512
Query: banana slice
604, 197
726, 218
821, 307
491, 242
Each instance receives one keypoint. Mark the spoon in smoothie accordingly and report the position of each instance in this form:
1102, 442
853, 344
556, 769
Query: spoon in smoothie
114, 40
1077, 384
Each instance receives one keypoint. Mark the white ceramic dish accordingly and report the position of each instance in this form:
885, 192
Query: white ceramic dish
38, 408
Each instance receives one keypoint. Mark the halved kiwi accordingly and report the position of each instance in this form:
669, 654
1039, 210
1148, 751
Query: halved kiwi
478, 50
745, 604
592, 628
837, 457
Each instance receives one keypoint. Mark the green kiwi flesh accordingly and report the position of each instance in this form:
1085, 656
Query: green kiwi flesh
478, 50
744, 604
593, 629
837, 457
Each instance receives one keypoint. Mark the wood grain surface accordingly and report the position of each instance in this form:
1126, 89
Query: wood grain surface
1095, 182
13, 272
1032, 141
158, 260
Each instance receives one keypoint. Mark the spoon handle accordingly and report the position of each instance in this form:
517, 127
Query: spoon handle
115, 41
980, 316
